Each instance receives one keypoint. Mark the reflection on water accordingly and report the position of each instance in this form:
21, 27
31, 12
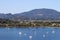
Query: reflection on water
20, 33
47, 32
25, 34
30, 37
29, 33
53, 31
44, 35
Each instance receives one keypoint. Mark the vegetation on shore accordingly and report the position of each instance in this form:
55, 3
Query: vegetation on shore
28, 23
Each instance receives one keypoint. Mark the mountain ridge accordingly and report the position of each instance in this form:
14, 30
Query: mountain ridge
36, 14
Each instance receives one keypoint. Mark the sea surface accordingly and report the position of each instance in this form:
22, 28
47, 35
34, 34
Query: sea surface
30, 33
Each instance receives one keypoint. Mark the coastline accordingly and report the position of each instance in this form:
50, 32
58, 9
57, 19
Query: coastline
31, 23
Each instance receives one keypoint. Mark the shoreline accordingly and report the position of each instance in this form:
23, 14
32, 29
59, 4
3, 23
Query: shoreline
30, 23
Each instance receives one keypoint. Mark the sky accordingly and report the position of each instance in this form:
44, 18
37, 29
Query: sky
18, 6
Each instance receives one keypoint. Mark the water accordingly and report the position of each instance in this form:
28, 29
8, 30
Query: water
29, 33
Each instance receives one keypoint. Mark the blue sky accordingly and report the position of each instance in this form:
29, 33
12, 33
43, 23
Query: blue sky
18, 6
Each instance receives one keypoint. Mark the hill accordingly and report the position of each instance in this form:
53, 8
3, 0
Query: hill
36, 14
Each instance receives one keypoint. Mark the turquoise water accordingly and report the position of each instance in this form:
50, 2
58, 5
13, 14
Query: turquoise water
29, 33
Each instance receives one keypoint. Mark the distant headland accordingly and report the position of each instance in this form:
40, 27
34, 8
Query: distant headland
33, 18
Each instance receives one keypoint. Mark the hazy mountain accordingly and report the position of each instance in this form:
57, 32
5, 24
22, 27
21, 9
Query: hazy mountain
36, 14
